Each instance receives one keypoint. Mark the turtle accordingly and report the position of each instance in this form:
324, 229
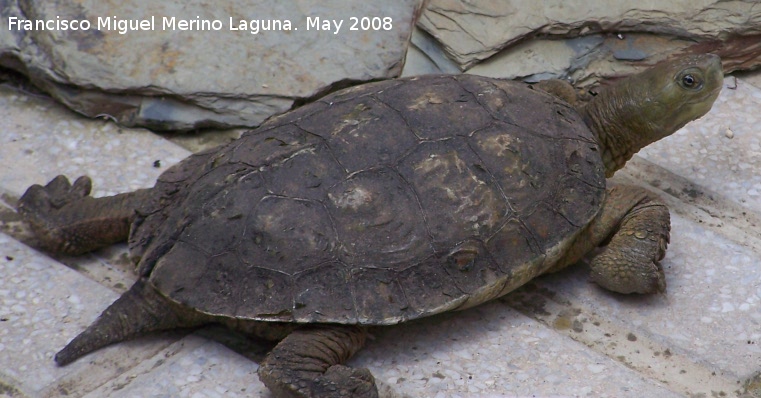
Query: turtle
379, 204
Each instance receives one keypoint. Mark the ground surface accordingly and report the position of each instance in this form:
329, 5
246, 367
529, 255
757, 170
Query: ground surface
559, 336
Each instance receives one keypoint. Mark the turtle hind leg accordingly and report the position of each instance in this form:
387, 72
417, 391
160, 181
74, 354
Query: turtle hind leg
138, 311
308, 363
65, 219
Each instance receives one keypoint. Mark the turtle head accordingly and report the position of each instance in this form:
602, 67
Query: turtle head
678, 91
646, 107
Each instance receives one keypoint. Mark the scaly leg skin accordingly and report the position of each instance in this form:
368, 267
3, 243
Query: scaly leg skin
67, 220
308, 363
636, 223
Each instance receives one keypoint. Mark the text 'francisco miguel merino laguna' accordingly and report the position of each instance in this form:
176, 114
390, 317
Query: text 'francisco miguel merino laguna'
254, 26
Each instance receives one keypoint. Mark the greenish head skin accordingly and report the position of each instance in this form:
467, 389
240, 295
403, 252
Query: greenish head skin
646, 107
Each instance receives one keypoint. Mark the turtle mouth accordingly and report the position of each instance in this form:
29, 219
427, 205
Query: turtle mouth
707, 97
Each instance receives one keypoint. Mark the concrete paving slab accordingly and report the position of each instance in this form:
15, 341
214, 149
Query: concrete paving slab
40, 140
43, 305
492, 350
708, 317
192, 367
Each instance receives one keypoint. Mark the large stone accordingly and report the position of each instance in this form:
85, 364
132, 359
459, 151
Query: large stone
168, 78
584, 41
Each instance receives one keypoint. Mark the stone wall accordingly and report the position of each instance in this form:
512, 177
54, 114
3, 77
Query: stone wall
180, 65
587, 41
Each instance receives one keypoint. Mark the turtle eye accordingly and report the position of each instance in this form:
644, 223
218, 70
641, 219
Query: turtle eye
690, 81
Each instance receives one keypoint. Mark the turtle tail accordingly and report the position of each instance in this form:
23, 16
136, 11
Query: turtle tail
138, 311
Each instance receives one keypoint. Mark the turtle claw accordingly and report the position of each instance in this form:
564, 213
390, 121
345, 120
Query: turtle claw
44, 209
56, 194
61, 192
343, 381
623, 274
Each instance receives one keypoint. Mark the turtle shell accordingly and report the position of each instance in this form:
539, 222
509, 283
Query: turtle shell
376, 204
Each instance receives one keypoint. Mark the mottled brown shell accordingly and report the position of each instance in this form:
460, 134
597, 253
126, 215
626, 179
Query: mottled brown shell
377, 204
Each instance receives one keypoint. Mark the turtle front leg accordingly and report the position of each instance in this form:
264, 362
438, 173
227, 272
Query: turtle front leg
308, 363
635, 224
67, 220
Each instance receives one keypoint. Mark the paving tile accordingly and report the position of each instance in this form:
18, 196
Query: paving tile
492, 350
192, 367
43, 305
709, 315
752, 77
34, 324
40, 139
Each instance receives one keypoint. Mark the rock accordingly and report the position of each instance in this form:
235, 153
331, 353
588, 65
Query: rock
590, 40
590, 59
537, 60
424, 56
215, 73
